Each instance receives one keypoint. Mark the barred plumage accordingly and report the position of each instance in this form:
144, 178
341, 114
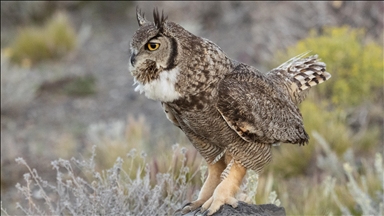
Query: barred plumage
308, 72
231, 112
225, 173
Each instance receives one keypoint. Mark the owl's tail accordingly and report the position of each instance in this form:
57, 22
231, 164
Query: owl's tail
305, 72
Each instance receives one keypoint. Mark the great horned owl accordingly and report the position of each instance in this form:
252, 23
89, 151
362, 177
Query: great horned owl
231, 112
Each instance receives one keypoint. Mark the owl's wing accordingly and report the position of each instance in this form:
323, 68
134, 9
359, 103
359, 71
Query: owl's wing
257, 109
169, 114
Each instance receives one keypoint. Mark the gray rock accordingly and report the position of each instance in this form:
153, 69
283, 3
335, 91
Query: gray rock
242, 209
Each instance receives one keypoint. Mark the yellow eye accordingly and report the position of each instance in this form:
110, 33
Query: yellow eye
153, 46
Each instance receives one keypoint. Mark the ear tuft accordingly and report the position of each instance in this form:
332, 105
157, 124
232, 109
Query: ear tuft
140, 17
159, 20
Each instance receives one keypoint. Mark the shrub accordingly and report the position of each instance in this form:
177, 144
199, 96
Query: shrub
343, 185
81, 86
291, 160
81, 190
114, 139
18, 85
362, 191
347, 186
33, 44
356, 64
331, 107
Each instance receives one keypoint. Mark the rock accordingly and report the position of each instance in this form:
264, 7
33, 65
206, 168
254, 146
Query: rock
243, 209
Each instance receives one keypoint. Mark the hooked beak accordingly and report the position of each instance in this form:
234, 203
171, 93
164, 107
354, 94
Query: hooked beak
133, 59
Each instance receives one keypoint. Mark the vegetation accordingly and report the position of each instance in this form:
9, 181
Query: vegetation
333, 111
355, 63
116, 139
339, 172
70, 85
81, 86
341, 118
33, 44
18, 84
80, 188
108, 192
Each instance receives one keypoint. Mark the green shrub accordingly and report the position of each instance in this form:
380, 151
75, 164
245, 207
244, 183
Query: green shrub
33, 44
292, 160
81, 86
356, 65
357, 70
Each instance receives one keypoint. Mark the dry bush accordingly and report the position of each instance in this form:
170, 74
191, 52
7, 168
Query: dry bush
33, 44
18, 85
80, 189
108, 192
116, 138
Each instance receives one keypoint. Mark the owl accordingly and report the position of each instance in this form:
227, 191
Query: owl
231, 112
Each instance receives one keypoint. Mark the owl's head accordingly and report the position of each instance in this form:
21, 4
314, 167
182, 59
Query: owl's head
155, 55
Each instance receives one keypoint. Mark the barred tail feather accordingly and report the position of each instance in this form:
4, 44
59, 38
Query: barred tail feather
305, 72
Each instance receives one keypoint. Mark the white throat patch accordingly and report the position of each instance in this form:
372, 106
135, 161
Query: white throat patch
161, 89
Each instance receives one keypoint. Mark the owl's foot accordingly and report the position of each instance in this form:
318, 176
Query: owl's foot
192, 206
244, 198
214, 203
225, 192
213, 179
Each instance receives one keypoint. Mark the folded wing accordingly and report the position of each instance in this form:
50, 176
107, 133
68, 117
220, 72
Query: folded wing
257, 110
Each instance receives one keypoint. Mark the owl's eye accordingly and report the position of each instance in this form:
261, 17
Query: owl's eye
153, 46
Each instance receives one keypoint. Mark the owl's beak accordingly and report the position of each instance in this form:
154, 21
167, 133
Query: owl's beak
133, 60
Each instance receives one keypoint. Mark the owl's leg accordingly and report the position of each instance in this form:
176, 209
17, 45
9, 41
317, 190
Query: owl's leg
226, 191
213, 179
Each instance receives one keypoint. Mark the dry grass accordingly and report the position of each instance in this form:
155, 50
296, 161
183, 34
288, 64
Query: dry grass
119, 139
33, 44
314, 179
81, 188
18, 84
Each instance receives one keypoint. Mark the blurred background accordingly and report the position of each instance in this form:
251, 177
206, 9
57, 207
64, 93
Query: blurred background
65, 87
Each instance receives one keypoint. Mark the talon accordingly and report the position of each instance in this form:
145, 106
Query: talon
191, 206
194, 214
185, 210
205, 213
185, 205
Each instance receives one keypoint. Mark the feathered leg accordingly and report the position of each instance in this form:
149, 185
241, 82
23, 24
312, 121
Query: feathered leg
213, 179
226, 191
